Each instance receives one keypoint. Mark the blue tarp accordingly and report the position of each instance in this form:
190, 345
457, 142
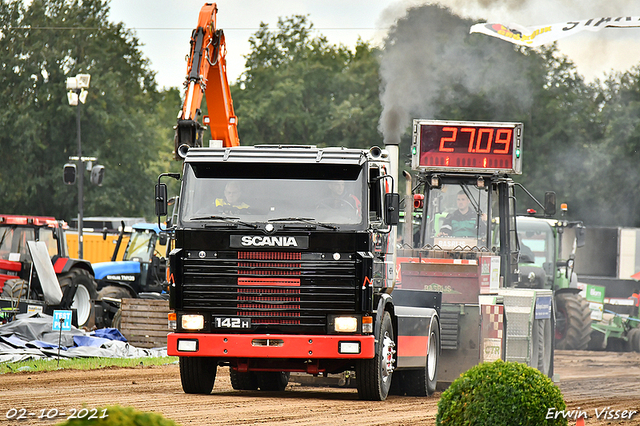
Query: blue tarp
31, 336
109, 333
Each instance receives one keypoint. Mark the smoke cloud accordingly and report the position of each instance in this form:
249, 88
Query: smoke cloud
426, 51
426, 55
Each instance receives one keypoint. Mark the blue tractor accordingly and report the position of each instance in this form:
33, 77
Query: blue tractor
140, 273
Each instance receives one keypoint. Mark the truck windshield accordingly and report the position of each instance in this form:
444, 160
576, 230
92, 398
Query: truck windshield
457, 216
260, 193
536, 242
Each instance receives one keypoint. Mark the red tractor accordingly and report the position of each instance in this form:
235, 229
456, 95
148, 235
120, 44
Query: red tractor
18, 280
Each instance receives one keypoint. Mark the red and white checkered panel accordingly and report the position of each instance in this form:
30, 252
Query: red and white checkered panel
492, 321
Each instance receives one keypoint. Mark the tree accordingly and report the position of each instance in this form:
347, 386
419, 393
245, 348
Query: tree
43, 42
299, 89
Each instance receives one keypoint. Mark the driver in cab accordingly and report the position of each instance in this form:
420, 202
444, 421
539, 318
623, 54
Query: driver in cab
340, 198
463, 221
232, 198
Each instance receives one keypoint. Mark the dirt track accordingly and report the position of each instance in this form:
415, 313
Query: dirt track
588, 380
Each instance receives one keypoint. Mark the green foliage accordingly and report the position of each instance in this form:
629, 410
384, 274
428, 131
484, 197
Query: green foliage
44, 42
120, 416
299, 89
500, 393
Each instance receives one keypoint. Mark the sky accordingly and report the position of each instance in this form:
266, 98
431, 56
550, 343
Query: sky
164, 27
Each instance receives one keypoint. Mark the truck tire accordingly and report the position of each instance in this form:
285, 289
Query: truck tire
86, 293
573, 322
198, 374
272, 380
541, 346
243, 381
373, 376
423, 382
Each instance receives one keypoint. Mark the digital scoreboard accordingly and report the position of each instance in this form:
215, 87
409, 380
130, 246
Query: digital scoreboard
467, 146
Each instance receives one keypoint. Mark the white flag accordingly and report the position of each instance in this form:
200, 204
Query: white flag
539, 35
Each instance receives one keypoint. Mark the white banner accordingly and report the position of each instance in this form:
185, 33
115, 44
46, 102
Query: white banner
539, 35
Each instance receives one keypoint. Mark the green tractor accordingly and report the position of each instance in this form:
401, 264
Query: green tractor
617, 323
547, 257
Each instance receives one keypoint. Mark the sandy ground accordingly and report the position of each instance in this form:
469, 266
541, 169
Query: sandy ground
589, 381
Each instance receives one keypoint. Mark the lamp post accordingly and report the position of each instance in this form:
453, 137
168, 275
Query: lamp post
76, 95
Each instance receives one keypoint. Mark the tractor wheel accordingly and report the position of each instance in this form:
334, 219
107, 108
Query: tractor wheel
597, 341
243, 381
198, 374
633, 340
116, 322
423, 382
114, 292
573, 322
15, 289
86, 293
636, 344
272, 380
373, 376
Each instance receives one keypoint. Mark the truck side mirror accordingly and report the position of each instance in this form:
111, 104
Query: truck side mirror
161, 199
162, 239
549, 203
581, 236
392, 209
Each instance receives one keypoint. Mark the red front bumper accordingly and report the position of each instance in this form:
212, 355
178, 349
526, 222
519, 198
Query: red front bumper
269, 346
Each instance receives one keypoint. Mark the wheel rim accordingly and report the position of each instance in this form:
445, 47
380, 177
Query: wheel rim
82, 304
388, 350
432, 362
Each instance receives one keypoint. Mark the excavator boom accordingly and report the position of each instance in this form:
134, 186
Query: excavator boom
206, 77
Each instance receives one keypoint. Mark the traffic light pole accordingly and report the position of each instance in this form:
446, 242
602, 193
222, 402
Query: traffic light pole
80, 186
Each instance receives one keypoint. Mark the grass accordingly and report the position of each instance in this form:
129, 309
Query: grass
51, 364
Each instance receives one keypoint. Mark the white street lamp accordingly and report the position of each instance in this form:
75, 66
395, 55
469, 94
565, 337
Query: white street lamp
77, 91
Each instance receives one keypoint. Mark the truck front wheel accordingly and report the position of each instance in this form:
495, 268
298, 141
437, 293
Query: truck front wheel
373, 376
573, 322
198, 374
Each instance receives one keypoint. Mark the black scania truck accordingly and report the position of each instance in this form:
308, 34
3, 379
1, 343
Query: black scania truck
284, 261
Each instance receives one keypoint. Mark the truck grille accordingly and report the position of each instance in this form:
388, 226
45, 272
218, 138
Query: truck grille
281, 290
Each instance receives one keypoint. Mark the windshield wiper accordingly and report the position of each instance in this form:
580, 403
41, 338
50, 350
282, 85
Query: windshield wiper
228, 219
309, 220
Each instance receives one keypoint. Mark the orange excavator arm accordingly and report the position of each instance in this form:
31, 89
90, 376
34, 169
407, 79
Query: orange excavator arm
206, 76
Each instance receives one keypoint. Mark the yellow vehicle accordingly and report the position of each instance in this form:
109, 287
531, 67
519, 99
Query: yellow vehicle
100, 237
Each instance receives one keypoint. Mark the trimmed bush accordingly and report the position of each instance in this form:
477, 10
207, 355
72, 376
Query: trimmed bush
500, 393
119, 416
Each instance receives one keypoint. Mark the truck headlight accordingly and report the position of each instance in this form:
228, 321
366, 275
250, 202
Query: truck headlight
192, 322
345, 324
